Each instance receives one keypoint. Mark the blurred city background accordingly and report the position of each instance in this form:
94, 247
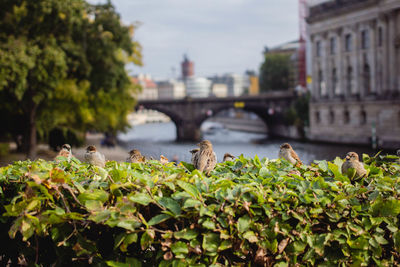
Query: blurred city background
161, 75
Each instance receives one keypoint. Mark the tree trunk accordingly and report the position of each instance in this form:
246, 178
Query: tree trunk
32, 142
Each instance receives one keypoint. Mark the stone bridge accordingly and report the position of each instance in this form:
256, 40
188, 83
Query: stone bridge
189, 113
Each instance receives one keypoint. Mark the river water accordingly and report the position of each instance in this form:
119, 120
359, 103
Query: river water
155, 139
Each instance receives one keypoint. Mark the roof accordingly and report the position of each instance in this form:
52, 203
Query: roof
286, 47
146, 83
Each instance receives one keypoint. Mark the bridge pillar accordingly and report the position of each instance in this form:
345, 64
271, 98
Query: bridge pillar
188, 131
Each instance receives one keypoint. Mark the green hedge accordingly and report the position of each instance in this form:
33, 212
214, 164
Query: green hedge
249, 212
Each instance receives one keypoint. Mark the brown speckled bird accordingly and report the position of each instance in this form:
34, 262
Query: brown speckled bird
229, 157
93, 157
195, 155
207, 158
286, 152
65, 152
135, 157
352, 167
398, 154
163, 160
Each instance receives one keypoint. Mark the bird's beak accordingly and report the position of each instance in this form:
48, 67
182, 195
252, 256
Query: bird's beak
347, 157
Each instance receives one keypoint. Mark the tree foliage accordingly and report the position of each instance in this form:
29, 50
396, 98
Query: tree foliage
275, 72
62, 65
249, 212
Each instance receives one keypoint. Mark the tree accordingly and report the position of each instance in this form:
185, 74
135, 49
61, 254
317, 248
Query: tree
275, 72
62, 65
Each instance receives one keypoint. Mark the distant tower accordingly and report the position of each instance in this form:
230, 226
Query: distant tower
187, 68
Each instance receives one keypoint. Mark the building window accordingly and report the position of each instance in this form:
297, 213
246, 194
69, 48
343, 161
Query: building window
367, 79
363, 117
317, 117
318, 48
331, 117
333, 45
348, 42
365, 39
346, 117
334, 81
380, 36
349, 79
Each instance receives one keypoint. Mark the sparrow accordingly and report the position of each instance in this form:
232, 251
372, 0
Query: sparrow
228, 157
195, 155
65, 152
206, 159
352, 163
163, 160
286, 152
135, 157
93, 157
398, 154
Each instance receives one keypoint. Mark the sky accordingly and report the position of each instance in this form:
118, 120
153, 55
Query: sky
219, 36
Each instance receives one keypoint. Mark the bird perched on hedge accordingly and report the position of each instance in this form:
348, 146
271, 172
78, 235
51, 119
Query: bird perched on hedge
207, 159
93, 157
195, 155
163, 160
228, 157
65, 152
398, 154
286, 152
135, 157
352, 167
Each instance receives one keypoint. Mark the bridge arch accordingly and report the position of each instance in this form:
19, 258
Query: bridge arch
189, 113
260, 110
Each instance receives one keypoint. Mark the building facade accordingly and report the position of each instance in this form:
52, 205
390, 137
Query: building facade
198, 87
149, 87
355, 59
234, 83
171, 89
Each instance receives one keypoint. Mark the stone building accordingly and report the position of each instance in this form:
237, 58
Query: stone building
355, 71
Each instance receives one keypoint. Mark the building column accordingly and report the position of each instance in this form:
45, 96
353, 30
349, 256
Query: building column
324, 63
355, 60
391, 51
339, 58
373, 62
385, 54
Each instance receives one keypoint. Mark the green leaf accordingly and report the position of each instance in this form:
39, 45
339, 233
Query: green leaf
170, 204
359, 243
179, 248
250, 236
93, 205
141, 198
396, 239
384, 208
117, 264
190, 203
147, 239
129, 224
186, 233
209, 224
211, 242
243, 223
158, 219
100, 216
94, 194
189, 188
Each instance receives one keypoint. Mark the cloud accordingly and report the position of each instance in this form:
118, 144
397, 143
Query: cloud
218, 35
